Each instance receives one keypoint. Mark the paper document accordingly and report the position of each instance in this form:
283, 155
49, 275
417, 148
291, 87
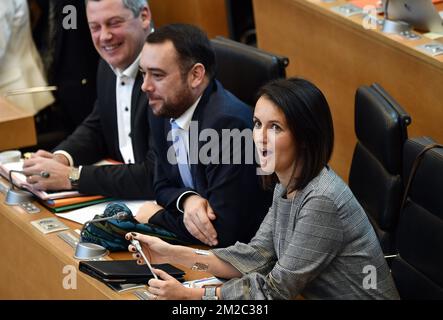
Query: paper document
200, 283
85, 214
48, 225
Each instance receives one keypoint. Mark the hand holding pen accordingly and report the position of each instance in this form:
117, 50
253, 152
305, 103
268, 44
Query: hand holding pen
138, 247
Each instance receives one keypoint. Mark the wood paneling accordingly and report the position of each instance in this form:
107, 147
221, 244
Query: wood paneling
17, 128
339, 55
210, 15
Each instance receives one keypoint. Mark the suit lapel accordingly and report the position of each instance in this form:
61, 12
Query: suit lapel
198, 116
138, 116
110, 108
135, 99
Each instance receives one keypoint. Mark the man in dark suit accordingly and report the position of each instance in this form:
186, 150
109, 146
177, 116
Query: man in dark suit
118, 127
73, 63
199, 197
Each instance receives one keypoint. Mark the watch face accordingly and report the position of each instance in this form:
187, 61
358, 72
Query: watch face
210, 293
74, 174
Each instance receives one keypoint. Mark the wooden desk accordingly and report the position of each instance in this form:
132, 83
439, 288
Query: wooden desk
17, 128
31, 264
338, 54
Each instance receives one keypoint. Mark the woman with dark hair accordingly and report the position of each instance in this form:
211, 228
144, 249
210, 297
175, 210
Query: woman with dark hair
316, 239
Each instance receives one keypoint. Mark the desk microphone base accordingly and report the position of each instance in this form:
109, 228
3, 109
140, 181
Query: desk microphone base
89, 251
15, 197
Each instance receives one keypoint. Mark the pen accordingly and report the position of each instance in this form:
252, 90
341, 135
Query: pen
138, 247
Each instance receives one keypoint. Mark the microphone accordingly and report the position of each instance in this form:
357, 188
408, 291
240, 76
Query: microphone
89, 251
14, 195
118, 216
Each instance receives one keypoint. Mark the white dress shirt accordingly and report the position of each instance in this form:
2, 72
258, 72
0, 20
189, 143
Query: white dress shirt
124, 84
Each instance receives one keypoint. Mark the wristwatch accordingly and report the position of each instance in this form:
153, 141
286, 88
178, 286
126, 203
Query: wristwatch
210, 293
74, 176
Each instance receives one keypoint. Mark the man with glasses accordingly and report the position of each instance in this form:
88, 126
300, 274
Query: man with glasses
118, 126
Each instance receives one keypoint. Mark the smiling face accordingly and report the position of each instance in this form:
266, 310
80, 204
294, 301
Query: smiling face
117, 35
274, 141
171, 90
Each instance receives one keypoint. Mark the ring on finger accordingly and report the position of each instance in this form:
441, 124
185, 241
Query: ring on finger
151, 296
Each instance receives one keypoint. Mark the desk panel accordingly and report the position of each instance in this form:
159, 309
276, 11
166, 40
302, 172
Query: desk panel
32, 264
17, 128
338, 54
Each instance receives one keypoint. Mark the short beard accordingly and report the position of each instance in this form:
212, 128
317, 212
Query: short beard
175, 110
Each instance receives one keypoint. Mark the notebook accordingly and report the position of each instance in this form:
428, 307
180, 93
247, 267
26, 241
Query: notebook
125, 271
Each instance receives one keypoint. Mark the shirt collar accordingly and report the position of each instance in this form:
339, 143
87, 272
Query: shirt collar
131, 71
184, 120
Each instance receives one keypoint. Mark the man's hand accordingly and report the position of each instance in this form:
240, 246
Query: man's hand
197, 219
48, 155
58, 173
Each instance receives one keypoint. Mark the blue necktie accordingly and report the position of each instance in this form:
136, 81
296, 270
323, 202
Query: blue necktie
181, 155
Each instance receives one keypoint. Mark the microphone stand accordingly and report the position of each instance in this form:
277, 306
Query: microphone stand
91, 251
14, 195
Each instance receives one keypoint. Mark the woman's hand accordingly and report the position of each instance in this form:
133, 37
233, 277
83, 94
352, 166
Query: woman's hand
168, 288
155, 249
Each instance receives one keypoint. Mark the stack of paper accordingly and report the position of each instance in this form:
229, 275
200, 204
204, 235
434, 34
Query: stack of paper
86, 214
20, 181
66, 204
56, 201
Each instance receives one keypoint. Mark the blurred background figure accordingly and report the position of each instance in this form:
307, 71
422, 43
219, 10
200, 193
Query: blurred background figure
20, 63
62, 36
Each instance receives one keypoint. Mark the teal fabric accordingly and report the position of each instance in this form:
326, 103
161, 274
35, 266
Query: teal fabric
111, 234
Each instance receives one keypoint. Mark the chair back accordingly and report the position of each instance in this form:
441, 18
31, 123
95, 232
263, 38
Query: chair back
375, 175
243, 69
417, 269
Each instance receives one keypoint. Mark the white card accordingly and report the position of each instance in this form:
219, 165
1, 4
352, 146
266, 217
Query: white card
48, 225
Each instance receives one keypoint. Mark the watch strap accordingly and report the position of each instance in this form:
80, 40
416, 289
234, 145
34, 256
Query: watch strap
210, 293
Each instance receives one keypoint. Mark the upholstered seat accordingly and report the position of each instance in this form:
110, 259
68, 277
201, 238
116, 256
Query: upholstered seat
375, 175
418, 267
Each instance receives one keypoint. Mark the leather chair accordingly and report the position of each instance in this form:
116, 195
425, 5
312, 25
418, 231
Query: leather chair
418, 267
375, 175
243, 69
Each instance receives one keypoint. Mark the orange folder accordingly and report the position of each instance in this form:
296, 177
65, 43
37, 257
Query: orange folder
70, 201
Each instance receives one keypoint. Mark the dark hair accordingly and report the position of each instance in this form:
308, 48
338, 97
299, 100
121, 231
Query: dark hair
191, 43
309, 120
